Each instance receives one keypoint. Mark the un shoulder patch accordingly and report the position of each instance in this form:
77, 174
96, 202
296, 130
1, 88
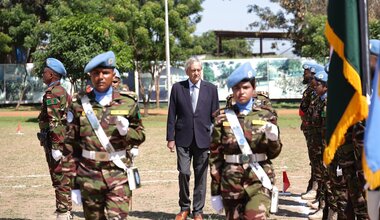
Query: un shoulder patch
52, 101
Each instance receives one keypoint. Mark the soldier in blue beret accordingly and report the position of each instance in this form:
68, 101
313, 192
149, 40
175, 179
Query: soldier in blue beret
317, 114
307, 96
52, 122
243, 192
104, 131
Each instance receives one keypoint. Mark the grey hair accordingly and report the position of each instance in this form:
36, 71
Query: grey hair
192, 60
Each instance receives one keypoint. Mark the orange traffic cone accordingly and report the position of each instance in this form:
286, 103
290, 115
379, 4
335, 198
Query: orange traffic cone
18, 130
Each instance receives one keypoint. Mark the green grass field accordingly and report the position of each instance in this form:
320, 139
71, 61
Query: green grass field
26, 191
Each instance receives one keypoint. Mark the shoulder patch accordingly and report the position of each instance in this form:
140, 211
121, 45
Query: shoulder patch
263, 93
119, 112
129, 94
226, 124
52, 101
258, 122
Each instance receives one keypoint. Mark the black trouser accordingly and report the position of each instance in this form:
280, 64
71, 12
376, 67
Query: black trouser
200, 164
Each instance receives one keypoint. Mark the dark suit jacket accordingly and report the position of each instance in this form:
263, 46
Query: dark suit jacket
183, 125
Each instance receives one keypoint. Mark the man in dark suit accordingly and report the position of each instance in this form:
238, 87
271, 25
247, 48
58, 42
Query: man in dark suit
189, 126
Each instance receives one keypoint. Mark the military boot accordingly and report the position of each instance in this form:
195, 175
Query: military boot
311, 195
313, 204
64, 216
316, 215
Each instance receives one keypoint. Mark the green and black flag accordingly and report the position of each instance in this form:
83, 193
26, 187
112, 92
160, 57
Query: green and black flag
346, 104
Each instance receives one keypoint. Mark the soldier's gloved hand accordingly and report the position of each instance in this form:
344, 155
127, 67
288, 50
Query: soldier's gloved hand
271, 131
76, 197
134, 152
56, 154
217, 203
122, 125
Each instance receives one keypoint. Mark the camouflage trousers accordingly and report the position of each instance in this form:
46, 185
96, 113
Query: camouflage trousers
311, 180
355, 191
61, 184
104, 189
315, 150
348, 193
255, 207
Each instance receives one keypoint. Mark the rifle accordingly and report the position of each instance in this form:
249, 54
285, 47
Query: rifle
45, 141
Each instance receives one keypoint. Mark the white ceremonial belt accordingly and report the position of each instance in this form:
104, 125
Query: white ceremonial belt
103, 156
245, 158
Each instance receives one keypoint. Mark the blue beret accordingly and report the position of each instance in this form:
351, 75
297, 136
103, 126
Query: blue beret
245, 71
117, 73
313, 67
56, 66
321, 76
104, 60
374, 46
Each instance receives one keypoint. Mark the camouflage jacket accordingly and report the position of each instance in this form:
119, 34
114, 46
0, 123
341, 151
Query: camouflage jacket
53, 113
80, 135
350, 153
307, 97
317, 112
232, 181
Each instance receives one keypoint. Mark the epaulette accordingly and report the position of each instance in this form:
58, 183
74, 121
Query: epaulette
230, 101
219, 111
130, 94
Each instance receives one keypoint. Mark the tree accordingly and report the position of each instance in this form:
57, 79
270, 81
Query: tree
304, 21
315, 45
290, 18
18, 22
145, 24
74, 40
206, 44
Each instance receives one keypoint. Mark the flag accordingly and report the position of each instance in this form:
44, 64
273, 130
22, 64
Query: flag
285, 181
371, 156
346, 105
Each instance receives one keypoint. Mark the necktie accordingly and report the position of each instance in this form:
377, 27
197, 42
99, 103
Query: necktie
194, 97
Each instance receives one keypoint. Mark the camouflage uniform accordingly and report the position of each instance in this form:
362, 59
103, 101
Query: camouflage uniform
243, 194
317, 143
307, 97
102, 183
350, 188
52, 122
315, 140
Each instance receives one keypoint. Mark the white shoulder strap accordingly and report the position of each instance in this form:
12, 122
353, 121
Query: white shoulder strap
100, 132
246, 149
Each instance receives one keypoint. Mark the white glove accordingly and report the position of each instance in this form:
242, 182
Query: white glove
122, 125
217, 203
57, 154
134, 151
76, 197
271, 131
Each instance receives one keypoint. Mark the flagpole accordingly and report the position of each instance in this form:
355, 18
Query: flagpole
363, 20
167, 50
